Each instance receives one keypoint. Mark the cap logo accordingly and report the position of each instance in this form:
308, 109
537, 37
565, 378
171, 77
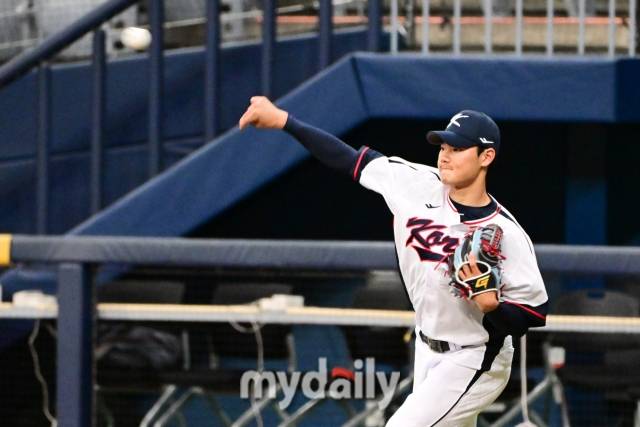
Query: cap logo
485, 140
454, 119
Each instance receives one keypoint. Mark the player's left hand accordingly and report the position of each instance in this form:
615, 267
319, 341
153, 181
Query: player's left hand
474, 267
487, 301
471, 269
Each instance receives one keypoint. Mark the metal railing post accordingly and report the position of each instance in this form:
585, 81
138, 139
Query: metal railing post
410, 22
425, 26
519, 27
374, 30
97, 119
457, 14
268, 45
42, 151
612, 28
156, 82
394, 26
325, 33
632, 27
581, 23
488, 26
550, 13
212, 71
75, 362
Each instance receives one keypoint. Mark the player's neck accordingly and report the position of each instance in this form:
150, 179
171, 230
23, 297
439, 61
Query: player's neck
473, 195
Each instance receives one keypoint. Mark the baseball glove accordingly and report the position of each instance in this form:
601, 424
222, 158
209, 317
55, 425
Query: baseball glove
484, 243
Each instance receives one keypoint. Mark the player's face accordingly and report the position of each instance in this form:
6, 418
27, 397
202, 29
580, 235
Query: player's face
459, 167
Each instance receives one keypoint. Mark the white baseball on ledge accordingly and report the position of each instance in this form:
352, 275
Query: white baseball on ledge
135, 38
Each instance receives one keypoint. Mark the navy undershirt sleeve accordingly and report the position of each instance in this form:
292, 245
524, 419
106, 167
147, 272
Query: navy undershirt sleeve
325, 147
515, 320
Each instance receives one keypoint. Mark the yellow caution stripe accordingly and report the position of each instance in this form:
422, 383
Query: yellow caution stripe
5, 249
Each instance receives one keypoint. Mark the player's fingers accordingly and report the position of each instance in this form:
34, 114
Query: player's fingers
255, 99
473, 265
465, 271
242, 123
472, 260
246, 119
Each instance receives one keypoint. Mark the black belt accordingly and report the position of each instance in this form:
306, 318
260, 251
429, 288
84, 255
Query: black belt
439, 346
435, 345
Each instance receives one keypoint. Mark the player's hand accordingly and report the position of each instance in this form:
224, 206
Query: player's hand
471, 269
486, 301
263, 114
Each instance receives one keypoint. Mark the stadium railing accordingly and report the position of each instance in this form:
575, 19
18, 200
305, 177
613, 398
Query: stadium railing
76, 259
37, 57
617, 19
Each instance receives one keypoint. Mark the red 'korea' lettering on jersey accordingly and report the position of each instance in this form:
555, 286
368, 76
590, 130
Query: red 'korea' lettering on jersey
427, 237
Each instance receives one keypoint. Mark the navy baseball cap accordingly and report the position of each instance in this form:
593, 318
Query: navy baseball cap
466, 129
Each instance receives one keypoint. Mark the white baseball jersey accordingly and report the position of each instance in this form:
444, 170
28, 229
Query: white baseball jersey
455, 380
427, 228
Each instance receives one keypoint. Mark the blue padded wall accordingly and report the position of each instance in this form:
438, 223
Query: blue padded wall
224, 171
567, 90
409, 86
126, 123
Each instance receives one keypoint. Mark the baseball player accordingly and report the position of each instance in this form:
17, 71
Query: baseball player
467, 310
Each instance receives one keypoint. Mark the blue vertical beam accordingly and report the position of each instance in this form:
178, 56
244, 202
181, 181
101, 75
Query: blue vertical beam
97, 119
42, 151
586, 193
326, 33
156, 79
75, 364
268, 44
212, 71
375, 25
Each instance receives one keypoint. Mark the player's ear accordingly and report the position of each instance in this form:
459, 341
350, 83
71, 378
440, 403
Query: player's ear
487, 156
